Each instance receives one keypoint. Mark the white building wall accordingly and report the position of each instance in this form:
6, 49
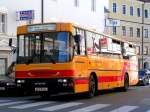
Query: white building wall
54, 10
57, 10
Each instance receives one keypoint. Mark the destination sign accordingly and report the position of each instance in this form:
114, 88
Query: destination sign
43, 27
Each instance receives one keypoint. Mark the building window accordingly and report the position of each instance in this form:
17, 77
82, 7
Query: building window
145, 33
123, 30
138, 32
93, 5
146, 13
114, 30
3, 66
76, 3
2, 23
114, 8
131, 31
131, 10
138, 50
145, 50
123, 9
138, 12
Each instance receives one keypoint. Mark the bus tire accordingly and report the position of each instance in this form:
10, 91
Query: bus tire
126, 83
92, 87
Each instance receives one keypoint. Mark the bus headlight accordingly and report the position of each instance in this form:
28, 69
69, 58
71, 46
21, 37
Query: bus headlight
20, 81
62, 80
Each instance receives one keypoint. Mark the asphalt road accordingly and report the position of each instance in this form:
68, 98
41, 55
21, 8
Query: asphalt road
137, 99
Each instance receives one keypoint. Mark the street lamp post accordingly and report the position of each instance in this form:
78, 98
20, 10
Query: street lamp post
143, 5
42, 11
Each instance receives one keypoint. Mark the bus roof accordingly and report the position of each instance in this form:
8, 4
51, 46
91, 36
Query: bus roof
60, 26
46, 27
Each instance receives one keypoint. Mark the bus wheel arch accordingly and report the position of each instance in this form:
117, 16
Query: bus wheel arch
93, 85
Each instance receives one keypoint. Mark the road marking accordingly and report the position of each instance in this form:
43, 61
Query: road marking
125, 109
148, 111
91, 108
12, 103
29, 105
59, 107
4, 101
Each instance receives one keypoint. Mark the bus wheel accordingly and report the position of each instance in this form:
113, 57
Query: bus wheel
126, 83
92, 87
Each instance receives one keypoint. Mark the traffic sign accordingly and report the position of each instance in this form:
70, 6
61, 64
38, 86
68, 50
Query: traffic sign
112, 22
25, 15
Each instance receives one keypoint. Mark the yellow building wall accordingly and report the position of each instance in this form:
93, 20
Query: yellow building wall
136, 4
119, 15
129, 21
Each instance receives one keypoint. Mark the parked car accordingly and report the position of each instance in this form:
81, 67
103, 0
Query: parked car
144, 77
7, 84
147, 71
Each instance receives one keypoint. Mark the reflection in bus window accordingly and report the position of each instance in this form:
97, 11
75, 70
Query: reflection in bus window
21, 46
56, 47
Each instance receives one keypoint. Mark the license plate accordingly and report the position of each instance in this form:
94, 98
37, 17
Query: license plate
2, 88
41, 89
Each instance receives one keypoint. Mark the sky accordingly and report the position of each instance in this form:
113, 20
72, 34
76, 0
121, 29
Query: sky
105, 3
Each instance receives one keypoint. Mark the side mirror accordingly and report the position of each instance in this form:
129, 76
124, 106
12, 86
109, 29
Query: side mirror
14, 50
10, 42
77, 38
12, 47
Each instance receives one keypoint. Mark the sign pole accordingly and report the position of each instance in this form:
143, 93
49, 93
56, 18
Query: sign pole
143, 5
42, 11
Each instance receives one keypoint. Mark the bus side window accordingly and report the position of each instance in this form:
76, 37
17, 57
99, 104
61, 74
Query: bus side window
90, 42
80, 49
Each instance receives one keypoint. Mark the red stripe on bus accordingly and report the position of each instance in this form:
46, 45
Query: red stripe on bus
44, 73
102, 79
82, 81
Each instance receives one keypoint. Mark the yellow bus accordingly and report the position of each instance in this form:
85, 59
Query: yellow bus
60, 58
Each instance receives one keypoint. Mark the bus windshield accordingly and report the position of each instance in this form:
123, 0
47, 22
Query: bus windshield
51, 47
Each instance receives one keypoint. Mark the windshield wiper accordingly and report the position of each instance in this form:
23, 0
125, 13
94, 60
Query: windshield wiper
49, 57
30, 60
52, 60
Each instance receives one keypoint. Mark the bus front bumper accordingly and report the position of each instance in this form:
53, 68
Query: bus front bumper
52, 86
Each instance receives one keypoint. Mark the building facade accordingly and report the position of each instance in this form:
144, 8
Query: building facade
5, 51
130, 20
89, 15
